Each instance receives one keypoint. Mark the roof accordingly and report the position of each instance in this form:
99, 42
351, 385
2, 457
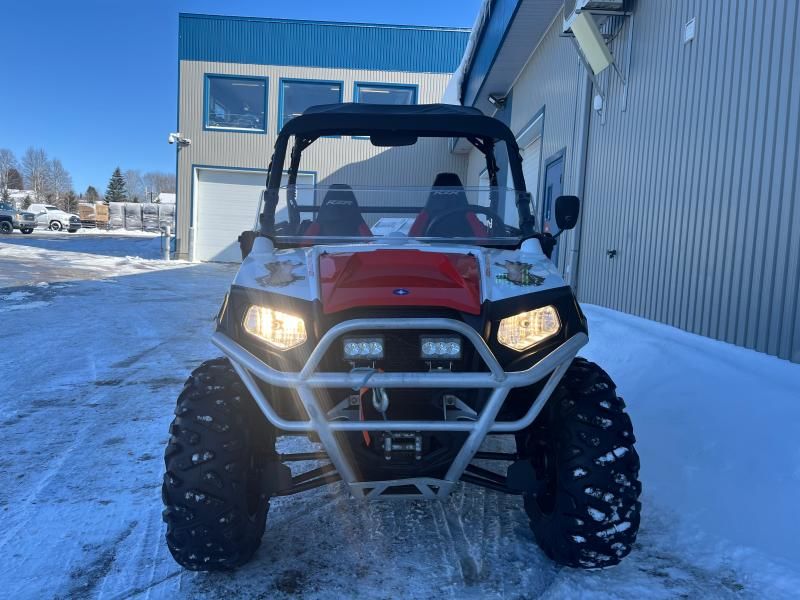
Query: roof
369, 46
426, 120
504, 42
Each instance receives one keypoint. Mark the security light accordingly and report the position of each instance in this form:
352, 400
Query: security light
497, 100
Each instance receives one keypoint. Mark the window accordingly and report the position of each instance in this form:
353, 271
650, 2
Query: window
236, 103
297, 96
376, 93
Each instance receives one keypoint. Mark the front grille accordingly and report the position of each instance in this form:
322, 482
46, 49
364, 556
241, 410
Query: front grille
27, 217
74, 220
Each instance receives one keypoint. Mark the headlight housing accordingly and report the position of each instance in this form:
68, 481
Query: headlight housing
278, 329
529, 328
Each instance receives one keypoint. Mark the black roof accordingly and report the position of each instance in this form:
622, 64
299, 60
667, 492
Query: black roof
426, 120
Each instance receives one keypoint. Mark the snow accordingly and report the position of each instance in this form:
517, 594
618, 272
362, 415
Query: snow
452, 93
91, 382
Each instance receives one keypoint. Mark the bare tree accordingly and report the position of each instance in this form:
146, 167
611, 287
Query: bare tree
58, 181
8, 163
135, 185
157, 182
34, 167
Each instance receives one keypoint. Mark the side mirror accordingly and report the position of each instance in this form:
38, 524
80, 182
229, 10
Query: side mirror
568, 208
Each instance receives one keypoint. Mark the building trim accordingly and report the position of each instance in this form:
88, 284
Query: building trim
323, 44
302, 80
206, 91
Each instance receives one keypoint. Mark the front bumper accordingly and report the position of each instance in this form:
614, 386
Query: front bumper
306, 381
22, 224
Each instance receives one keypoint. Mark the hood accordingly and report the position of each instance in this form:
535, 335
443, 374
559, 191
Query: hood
395, 277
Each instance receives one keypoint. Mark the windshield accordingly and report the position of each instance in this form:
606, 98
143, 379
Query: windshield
51, 207
444, 212
5, 206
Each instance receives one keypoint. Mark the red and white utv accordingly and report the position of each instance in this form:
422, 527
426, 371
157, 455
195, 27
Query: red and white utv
399, 327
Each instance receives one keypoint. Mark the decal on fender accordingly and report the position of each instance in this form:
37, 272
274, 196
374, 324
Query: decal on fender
518, 273
280, 274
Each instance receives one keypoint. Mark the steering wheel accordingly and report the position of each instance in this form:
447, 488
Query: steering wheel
497, 220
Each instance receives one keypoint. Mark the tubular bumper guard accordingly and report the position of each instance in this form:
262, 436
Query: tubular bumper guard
305, 381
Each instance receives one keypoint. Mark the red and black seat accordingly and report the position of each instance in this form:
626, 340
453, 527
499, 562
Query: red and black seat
339, 215
448, 194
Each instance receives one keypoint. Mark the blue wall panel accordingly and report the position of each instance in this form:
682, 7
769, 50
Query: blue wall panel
320, 44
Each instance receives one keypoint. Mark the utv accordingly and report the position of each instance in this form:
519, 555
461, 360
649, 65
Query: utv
398, 328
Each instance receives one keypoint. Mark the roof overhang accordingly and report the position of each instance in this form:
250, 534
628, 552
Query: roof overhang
509, 36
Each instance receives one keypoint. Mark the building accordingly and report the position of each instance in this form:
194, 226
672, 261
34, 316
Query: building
240, 79
165, 198
685, 153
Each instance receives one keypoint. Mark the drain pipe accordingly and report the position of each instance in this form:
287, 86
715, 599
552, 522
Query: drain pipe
580, 182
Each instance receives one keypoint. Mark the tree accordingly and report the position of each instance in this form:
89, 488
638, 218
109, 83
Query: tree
34, 166
135, 185
58, 181
156, 182
70, 202
5, 196
15, 180
8, 163
116, 191
91, 194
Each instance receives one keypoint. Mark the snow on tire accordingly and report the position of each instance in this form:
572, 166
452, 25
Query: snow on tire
586, 511
215, 503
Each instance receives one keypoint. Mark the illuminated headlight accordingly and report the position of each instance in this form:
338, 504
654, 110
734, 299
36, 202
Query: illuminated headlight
440, 348
277, 329
527, 329
363, 348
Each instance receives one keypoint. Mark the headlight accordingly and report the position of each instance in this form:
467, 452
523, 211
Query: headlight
277, 329
527, 329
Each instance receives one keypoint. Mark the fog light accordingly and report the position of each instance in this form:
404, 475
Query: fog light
363, 348
440, 348
527, 329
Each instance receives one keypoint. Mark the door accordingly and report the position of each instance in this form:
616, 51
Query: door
553, 188
226, 203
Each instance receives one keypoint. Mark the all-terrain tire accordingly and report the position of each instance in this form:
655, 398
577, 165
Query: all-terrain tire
586, 511
6, 227
219, 448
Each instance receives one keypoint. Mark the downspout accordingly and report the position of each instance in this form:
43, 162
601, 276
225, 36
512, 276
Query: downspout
580, 183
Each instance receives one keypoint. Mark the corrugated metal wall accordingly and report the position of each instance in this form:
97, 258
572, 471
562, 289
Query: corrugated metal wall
334, 160
250, 40
692, 172
695, 182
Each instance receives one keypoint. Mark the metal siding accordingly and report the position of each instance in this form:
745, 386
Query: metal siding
696, 182
334, 160
315, 44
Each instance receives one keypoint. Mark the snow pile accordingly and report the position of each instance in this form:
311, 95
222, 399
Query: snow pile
716, 426
452, 93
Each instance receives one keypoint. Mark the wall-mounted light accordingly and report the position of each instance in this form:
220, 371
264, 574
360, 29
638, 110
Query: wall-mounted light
497, 100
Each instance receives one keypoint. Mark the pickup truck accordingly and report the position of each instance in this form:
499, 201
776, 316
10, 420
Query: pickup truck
11, 219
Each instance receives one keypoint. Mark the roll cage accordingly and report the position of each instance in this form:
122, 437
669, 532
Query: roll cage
424, 120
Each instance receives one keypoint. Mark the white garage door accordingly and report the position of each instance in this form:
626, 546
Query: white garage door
226, 203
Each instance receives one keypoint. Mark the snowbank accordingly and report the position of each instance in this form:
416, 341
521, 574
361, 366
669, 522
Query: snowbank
717, 429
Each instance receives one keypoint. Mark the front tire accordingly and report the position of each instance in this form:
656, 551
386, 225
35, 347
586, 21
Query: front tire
27, 231
219, 449
6, 227
586, 510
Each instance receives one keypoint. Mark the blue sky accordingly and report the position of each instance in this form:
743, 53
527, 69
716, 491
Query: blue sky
94, 82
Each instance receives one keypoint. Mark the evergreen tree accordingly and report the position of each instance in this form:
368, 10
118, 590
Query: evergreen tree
15, 180
91, 194
116, 191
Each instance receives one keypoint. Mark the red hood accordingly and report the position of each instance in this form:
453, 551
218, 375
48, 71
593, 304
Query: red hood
400, 278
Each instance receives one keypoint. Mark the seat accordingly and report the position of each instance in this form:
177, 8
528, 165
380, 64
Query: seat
339, 215
448, 194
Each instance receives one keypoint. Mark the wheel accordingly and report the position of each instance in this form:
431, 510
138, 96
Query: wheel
55, 226
6, 227
585, 512
71, 230
26, 231
218, 460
